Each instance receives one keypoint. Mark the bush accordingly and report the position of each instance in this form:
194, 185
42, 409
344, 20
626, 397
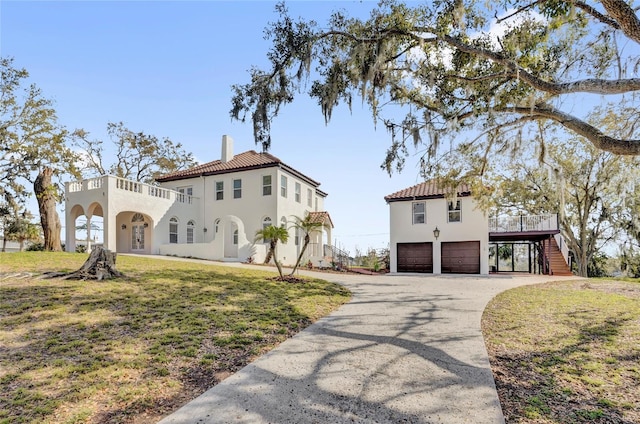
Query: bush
630, 262
35, 247
597, 267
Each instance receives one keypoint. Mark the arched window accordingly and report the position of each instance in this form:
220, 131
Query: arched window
173, 230
235, 236
190, 226
283, 222
216, 227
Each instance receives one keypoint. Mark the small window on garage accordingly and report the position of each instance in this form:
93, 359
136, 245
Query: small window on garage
455, 211
419, 214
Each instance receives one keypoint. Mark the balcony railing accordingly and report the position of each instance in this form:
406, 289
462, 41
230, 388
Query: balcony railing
522, 223
129, 185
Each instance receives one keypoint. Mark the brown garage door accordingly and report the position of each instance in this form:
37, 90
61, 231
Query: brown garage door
461, 257
415, 257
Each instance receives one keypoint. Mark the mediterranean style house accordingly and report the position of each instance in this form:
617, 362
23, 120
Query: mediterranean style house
433, 230
211, 211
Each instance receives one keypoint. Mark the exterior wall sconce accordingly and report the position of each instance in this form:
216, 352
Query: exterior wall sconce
146, 225
436, 233
123, 226
204, 229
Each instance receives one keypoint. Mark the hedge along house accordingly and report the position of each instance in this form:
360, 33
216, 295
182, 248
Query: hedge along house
434, 231
211, 211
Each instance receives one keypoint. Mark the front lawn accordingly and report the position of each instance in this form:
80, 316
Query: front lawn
136, 348
567, 352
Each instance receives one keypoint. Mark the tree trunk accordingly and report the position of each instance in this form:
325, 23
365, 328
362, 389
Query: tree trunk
583, 263
304, 248
100, 265
279, 268
271, 253
49, 219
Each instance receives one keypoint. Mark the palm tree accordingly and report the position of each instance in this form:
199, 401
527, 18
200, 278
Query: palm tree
307, 225
273, 235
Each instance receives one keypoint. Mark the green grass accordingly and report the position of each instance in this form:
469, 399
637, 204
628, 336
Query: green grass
136, 348
567, 352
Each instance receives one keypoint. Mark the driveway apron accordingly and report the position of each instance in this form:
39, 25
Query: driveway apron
405, 349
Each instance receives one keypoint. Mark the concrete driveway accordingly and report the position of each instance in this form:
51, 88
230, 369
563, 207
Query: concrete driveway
406, 349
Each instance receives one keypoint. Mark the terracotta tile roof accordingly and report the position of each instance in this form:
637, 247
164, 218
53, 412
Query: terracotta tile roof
321, 217
241, 162
426, 190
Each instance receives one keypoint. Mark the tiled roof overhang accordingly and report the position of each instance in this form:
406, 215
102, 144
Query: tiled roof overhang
245, 161
427, 190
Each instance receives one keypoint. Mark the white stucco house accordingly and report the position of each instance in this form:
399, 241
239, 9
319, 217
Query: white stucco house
434, 231
211, 211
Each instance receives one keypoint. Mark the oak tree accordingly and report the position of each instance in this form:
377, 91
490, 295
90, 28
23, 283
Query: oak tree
478, 75
33, 149
137, 156
592, 190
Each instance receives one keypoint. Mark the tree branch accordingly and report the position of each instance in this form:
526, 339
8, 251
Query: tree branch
591, 85
625, 16
588, 131
596, 14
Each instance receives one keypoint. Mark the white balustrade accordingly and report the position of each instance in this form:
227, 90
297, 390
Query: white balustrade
132, 186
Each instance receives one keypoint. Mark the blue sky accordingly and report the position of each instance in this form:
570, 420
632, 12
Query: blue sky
166, 68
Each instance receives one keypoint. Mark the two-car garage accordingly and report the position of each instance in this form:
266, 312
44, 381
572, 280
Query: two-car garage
458, 257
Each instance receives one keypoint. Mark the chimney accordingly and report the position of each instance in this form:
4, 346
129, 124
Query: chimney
227, 149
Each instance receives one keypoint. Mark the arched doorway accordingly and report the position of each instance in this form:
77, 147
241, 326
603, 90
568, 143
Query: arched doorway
138, 227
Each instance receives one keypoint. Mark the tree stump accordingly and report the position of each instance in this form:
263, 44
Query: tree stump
100, 265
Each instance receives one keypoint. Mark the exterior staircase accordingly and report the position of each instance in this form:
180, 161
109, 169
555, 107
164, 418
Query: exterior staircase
557, 262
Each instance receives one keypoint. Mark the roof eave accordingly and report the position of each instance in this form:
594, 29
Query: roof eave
428, 197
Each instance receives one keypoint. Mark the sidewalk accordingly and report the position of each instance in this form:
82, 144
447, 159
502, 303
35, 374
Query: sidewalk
406, 349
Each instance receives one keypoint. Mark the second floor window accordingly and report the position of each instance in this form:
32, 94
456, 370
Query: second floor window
309, 197
283, 186
219, 190
185, 194
266, 185
419, 214
297, 193
186, 190
237, 189
455, 211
